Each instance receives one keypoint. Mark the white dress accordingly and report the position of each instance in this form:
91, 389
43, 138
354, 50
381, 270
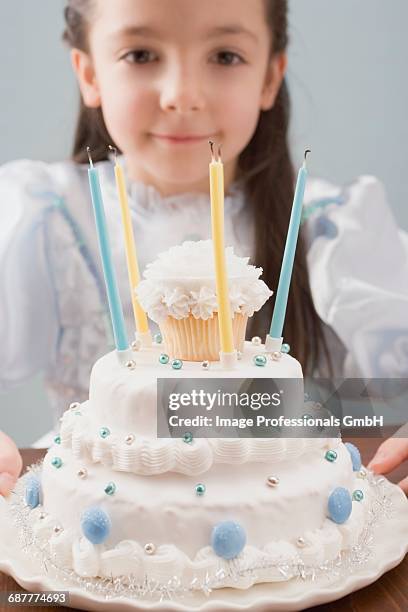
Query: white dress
53, 309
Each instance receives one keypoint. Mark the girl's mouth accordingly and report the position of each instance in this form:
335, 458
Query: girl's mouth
182, 138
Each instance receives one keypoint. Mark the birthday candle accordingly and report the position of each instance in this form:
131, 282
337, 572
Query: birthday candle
142, 326
115, 305
217, 222
274, 341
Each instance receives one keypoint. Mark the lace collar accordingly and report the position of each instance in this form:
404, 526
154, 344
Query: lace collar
147, 199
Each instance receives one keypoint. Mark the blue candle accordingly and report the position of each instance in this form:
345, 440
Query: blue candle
281, 301
115, 305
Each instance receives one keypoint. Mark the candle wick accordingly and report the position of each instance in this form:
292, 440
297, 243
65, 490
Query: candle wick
115, 153
219, 152
88, 150
306, 154
212, 149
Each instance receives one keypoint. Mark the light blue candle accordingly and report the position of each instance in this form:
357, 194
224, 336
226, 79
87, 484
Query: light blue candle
281, 301
115, 305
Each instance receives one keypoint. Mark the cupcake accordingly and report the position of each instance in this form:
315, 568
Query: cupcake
179, 293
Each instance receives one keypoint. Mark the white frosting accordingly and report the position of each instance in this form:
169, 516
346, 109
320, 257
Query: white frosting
182, 282
129, 558
168, 515
150, 456
133, 394
126, 400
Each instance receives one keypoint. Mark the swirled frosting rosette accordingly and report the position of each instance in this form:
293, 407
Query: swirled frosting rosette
179, 293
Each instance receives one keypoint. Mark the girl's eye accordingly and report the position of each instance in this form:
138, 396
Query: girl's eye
139, 56
229, 58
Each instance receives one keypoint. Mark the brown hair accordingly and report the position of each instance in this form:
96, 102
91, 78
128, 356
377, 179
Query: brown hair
266, 174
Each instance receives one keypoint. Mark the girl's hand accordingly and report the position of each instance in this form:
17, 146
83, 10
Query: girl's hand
390, 454
11, 464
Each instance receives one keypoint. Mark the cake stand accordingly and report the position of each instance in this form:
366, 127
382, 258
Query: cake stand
389, 546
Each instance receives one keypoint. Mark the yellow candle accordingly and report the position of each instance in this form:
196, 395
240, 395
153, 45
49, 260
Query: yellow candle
142, 326
217, 222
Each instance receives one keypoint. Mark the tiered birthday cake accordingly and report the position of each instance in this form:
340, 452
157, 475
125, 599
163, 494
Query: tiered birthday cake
113, 500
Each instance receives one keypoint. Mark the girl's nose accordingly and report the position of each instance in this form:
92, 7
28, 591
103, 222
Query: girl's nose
182, 92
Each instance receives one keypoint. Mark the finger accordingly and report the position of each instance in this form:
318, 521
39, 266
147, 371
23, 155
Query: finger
389, 455
10, 459
404, 485
7, 482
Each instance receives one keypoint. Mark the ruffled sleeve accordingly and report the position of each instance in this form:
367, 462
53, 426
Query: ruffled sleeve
28, 322
358, 266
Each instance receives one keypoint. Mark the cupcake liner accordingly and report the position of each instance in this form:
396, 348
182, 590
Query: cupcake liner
192, 339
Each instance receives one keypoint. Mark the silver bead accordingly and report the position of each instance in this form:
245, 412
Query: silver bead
150, 548
131, 364
362, 473
42, 516
276, 355
205, 365
300, 542
256, 340
74, 406
136, 345
239, 355
82, 473
57, 529
130, 438
272, 481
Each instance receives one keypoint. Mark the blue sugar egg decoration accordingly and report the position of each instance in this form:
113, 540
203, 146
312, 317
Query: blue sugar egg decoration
355, 456
228, 539
339, 505
33, 492
95, 525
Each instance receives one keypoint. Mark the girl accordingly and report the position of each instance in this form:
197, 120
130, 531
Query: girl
158, 83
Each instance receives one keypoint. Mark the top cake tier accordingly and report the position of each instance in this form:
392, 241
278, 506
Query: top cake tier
118, 425
126, 399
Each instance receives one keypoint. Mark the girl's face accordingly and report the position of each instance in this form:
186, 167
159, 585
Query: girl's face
172, 74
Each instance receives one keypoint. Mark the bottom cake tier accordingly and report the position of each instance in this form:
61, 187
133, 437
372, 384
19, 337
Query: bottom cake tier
256, 517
